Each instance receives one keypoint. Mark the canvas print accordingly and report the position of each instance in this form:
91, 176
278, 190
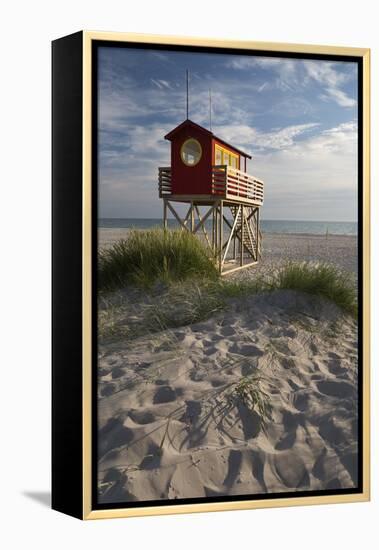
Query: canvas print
227, 361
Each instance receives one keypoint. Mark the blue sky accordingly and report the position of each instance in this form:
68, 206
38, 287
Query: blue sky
297, 118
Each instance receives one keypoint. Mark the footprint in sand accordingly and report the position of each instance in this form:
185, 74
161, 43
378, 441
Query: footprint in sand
257, 466
331, 432
293, 385
192, 412
350, 461
118, 372
142, 417
291, 470
234, 467
301, 400
290, 421
165, 394
333, 484
334, 367
113, 435
336, 388
251, 421
227, 331
248, 350
197, 376
152, 459
112, 475
333, 355
108, 389
286, 441
217, 382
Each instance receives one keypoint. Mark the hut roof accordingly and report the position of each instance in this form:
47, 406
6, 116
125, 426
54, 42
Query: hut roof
189, 122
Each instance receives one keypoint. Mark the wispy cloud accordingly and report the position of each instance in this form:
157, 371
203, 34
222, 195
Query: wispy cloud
326, 74
161, 84
292, 74
340, 97
315, 178
250, 138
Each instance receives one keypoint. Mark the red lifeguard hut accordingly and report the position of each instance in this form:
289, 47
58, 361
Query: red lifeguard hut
206, 171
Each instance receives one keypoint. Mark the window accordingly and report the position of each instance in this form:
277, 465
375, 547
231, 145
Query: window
223, 156
191, 152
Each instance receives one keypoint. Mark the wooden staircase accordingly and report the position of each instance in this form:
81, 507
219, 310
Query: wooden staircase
249, 239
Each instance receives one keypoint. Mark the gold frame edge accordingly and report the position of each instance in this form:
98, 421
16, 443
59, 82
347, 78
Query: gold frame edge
364, 496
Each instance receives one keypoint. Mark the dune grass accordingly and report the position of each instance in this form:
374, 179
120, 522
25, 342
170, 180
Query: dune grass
174, 256
146, 257
323, 280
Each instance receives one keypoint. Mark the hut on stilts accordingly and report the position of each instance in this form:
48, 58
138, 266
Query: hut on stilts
206, 173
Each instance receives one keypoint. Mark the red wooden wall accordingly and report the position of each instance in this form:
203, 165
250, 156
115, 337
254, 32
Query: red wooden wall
191, 180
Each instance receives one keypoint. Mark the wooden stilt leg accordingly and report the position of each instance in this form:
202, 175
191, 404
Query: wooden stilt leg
164, 214
242, 232
221, 236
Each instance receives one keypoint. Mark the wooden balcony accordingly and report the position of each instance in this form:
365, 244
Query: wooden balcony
228, 184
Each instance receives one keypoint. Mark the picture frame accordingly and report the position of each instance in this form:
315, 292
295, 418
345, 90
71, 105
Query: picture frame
78, 487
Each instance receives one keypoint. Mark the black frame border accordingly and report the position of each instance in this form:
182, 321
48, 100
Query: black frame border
243, 52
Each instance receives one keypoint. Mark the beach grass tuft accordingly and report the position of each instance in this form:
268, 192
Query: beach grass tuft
322, 279
146, 257
249, 390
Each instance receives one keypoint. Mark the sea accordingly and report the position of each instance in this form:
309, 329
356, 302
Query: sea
267, 226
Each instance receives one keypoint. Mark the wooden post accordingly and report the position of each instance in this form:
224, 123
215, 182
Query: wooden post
213, 229
257, 233
242, 235
216, 228
192, 218
164, 214
221, 237
234, 245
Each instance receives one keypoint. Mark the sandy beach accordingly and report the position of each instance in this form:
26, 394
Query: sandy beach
258, 398
173, 426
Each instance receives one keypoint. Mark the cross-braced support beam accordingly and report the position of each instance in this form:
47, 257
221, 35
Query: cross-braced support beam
231, 231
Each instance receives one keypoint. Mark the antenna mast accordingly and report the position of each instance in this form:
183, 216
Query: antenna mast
187, 84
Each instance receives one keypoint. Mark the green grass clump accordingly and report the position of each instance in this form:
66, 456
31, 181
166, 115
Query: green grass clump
234, 288
324, 280
146, 257
252, 395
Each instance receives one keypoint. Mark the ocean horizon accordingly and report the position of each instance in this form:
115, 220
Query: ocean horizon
267, 226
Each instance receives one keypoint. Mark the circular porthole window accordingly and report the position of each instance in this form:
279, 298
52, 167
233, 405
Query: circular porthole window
191, 152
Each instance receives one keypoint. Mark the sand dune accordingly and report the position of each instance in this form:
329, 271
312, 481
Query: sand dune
340, 250
177, 416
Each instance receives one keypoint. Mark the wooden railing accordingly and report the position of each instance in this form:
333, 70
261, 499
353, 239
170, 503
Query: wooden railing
164, 181
227, 182
230, 181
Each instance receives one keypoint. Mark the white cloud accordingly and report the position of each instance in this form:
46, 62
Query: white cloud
292, 75
285, 69
161, 83
341, 98
315, 178
250, 139
324, 73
